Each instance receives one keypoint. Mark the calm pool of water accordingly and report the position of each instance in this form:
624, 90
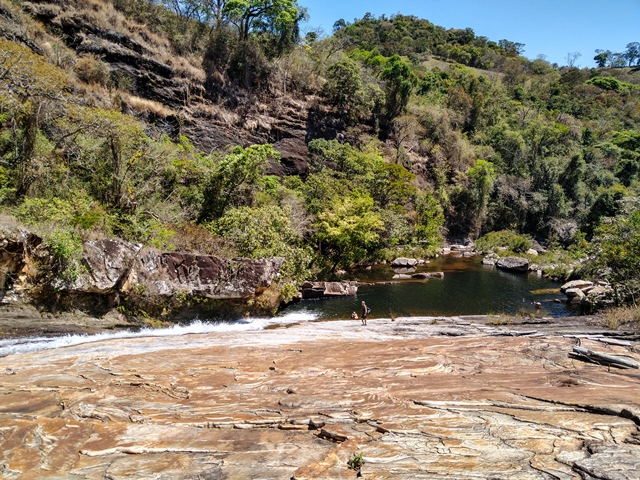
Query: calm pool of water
468, 288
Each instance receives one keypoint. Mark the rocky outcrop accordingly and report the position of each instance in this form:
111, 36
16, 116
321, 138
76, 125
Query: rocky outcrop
113, 267
514, 264
167, 274
578, 291
328, 289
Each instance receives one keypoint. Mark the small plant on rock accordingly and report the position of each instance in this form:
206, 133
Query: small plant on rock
356, 461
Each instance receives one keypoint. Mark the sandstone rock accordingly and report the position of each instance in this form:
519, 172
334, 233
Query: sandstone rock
404, 262
574, 295
414, 401
580, 284
328, 289
515, 264
537, 247
532, 252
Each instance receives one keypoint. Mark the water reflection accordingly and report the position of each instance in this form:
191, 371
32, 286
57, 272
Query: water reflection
468, 288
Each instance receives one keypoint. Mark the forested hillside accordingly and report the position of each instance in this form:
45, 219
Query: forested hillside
164, 123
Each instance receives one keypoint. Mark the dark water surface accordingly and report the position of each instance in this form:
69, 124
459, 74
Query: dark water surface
468, 288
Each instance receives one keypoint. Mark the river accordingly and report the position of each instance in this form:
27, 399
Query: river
468, 288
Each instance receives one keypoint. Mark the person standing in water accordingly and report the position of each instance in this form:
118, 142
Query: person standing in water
365, 310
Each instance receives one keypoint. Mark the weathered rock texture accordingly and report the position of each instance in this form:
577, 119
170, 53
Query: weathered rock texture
114, 267
495, 402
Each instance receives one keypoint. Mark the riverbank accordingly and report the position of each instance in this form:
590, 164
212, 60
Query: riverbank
456, 397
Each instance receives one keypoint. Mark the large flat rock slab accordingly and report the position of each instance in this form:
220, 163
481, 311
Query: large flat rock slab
299, 402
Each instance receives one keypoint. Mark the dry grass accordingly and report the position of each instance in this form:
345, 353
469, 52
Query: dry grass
143, 105
615, 318
215, 112
500, 319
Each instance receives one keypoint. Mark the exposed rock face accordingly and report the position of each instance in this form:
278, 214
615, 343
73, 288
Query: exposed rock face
575, 295
300, 402
106, 261
114, 266
213, 277
328, 289
514, 264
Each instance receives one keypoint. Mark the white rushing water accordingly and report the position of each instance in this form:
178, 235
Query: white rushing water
16, 346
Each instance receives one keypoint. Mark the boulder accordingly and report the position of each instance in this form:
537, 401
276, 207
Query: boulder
328, 289
532, 252
404, 262
597, 290
574, 295
515, 264
537, 247
580, 284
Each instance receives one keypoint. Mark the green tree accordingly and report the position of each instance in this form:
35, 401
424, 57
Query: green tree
29, 88
267, 232
616, 250
430, 221
349, 231
482, 176
235, 179
400, 82
632, 54
602, 58
344, 89
280, 16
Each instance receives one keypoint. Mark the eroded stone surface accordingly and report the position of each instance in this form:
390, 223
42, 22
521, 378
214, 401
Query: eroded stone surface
495, 401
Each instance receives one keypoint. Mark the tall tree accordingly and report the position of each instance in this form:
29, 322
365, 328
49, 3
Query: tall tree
279, 15
602, 58
633, 53
400, 82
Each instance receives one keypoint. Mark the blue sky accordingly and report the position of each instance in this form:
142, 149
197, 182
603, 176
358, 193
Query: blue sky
549, 27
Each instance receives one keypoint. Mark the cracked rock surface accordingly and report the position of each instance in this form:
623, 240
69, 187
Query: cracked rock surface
422, 399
